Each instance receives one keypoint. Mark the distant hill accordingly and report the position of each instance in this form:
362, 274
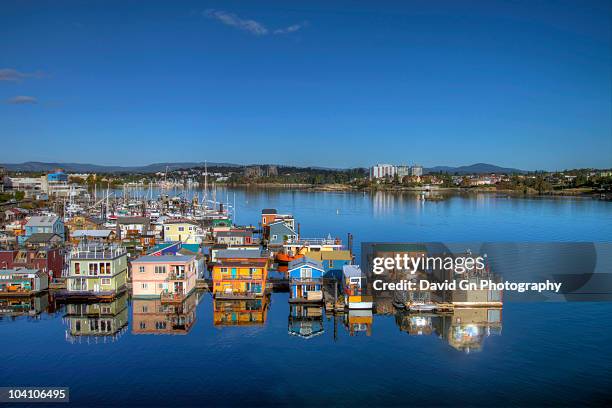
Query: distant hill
86, 167
478, 168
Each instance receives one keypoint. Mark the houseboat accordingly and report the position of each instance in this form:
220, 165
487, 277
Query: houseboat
23, 282
96, 271
305, 280
171, 277
237, 274
355, 288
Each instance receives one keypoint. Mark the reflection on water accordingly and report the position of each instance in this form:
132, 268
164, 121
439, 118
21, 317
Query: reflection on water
464, 328
305, 321
152, 316
24, 306
93, 322
240, 312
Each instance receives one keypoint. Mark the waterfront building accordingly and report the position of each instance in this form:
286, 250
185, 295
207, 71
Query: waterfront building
97, 270
270, 215
305, 321
83, 222
305, 280
240, 312
48, 259
44, 224
152, 316
183, 230
416, 171
355, 288
235, 237
240, 275
280, 233
22, 282
402, 171
43, 240
380, 171
95, 235
166, 276
96, 322
132, 226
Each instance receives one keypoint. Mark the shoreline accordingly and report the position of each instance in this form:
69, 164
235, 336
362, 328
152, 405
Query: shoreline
572, 192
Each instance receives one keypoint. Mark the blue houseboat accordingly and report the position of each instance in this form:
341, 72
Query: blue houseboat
306, 280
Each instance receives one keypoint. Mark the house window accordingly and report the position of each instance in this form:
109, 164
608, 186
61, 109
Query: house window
141, 269
77, 268
167, 228
160, 268
253, 270
93, 269
223, 270
108, 268
160, 286
181, 229
306, 273
145, 286
190, 228
106, 281
143, 325
275, 237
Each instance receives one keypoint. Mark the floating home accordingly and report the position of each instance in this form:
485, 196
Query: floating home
171, 277
96, 271
240, 273
355, 288
305, 280
23, 282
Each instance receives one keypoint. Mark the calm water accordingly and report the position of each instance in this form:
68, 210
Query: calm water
265, 353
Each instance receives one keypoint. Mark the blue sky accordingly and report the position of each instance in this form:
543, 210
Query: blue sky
523, 84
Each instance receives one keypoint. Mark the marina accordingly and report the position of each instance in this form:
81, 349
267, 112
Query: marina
246, 299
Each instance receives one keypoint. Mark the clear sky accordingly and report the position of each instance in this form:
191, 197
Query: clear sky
523, 84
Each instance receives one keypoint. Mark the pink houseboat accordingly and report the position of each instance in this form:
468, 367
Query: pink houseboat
170, 277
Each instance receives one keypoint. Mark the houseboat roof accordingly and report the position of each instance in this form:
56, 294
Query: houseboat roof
164, 259
180, 221
42, 221
303, 261
239, 253
20, 271
351, 271
97, 251
249, 263
235, 233
133, 220
339, 255
91, 233
268, 211
41, 238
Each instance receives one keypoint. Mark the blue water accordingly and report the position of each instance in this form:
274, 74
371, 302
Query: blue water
540, 353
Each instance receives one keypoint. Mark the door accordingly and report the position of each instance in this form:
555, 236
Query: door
234, 273
96, 287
